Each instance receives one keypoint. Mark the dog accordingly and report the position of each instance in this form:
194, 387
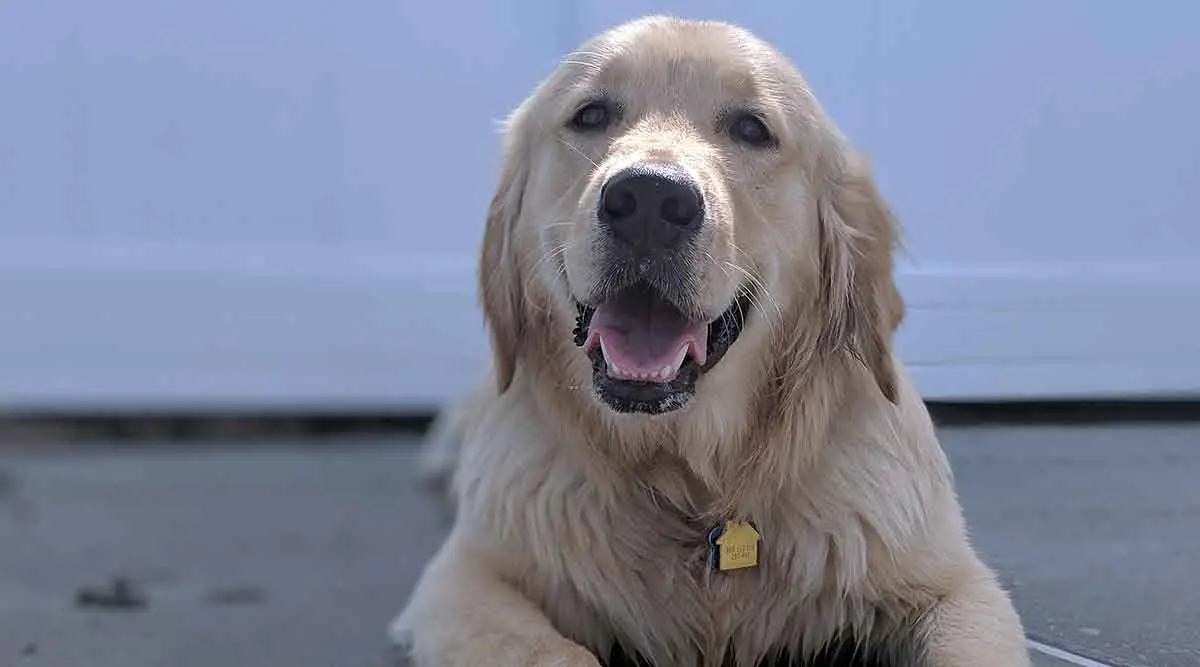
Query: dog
695, 445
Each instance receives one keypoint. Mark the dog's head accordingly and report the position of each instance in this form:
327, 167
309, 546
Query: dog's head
674, 199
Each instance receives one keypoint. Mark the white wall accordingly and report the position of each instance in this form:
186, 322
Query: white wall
267, 204
262, 203
1043, 157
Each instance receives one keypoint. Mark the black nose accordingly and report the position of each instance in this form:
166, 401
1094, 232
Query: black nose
651, 206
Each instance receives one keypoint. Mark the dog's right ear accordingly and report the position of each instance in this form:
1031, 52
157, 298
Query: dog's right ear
500, 284
858, 235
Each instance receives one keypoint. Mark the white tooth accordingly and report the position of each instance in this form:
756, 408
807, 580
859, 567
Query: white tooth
613, 369
680, 356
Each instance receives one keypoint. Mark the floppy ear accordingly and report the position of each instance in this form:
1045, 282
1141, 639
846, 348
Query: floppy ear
500, 286
858, 233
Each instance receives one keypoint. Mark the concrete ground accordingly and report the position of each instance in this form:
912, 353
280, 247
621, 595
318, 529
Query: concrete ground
299, 554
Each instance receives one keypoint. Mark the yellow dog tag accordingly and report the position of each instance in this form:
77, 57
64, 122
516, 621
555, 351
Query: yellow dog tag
733, 546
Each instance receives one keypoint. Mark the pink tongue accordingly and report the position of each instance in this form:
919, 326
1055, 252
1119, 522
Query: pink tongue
641, 333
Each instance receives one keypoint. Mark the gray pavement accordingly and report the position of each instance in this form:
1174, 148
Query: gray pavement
1096, 530
299, 555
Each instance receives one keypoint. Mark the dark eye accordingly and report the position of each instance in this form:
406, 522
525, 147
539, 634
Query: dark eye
751, 130
592, 117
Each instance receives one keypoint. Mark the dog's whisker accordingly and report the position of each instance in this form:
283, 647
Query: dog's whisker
547, 255
578, 151
759, 293
543, 255
720, 264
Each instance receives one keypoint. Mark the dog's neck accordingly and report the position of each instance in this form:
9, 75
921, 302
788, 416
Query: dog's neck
709, 460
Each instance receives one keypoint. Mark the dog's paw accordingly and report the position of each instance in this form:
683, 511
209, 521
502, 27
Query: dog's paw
562, 654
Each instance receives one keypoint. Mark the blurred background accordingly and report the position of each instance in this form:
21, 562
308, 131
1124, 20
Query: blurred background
272, 210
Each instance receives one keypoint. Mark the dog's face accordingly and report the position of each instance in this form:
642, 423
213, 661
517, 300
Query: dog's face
672, 187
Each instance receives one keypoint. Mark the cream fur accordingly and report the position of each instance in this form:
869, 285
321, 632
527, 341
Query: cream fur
578, 527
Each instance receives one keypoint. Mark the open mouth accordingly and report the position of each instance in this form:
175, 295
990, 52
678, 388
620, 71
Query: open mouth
646, 353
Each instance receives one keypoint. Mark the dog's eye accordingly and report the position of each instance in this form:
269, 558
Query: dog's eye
751, 130
592, 117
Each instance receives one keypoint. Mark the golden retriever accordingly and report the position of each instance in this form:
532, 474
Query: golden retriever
696, 446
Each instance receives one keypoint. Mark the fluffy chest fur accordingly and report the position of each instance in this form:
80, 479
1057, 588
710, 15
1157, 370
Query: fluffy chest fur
619, 562
644, 586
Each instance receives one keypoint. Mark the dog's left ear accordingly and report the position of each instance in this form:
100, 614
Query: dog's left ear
500, 285
858, 234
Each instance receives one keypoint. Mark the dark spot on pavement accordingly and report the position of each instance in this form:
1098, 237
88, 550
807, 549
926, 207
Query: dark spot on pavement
119, 594
236, 596
30, 649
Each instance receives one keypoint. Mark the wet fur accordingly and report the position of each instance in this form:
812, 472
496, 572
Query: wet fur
579, 532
